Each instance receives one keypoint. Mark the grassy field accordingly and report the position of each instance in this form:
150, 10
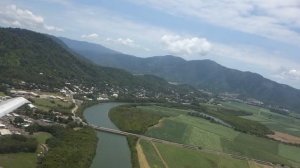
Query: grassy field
54, 104
176, 157
42, 136
18, 160
179, 127
200, 132
274, 121
151, 156
24, 160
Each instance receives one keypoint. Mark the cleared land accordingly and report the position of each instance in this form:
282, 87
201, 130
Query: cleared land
141, 156
182, 128
285, 137
177, 157
24, 160
275, 121
200, 132
53, 104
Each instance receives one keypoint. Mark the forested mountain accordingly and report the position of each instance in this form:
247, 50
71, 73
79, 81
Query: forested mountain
203, 74
43, 60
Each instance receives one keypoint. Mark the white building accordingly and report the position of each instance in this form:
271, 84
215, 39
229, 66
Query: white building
5, 132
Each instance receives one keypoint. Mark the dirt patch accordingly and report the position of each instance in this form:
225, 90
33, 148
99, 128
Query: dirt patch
159, 124
141, 156
253, 164
279, 136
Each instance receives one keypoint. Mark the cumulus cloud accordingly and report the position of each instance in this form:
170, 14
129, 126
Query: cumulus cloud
186, 46
90, 36
290, 74
127, 42
13, 16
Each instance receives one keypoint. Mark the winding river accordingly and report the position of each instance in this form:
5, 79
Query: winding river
112, 150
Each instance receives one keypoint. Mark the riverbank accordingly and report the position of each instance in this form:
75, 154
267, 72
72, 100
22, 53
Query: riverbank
112, 150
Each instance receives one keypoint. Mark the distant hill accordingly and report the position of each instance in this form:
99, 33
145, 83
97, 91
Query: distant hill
203, 74
45, 60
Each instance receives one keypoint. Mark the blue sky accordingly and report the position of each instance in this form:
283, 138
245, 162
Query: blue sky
249, 35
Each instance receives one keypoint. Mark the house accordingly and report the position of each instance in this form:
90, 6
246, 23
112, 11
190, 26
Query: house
5, 132
31, 106
2, 126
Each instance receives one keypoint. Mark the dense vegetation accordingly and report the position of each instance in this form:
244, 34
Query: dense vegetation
68, 148
131, 119
17, 143
241, 124
204, 74
44, 62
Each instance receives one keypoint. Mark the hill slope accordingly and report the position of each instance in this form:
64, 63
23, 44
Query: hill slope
42, 60
204, 74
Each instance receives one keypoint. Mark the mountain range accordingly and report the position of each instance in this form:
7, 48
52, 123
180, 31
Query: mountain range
202, 74
44, 60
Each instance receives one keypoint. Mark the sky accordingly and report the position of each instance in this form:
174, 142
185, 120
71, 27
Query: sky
248, 35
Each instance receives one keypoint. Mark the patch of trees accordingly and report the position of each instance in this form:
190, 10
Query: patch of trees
131, 119
234, 112
17, 143
72, 149
238, 123
231, 117
67, 148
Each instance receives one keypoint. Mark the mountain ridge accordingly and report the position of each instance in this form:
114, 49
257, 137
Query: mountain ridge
203, 74
41, 60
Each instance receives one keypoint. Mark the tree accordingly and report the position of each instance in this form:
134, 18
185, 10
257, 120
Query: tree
18, 120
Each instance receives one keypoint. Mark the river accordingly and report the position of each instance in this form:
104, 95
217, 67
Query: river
112, 150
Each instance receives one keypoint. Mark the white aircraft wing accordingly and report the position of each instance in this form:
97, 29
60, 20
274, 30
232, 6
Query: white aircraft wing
10, 105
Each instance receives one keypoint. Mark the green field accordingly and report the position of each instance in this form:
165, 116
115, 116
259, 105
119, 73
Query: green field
197, 131
177, 157
24, 160
151, 156
178, 126
42, 137
275, 121
18, 160
53, 104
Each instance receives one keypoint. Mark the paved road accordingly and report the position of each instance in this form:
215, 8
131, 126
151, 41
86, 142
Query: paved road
192, 147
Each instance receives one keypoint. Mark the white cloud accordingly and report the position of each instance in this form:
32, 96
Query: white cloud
126, 42
292, 74
186, 46
90, 36
13, 16
273, 19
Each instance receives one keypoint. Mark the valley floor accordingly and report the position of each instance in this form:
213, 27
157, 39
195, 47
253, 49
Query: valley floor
176, 126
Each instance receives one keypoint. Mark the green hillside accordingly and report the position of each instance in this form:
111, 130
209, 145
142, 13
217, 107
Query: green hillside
202, 74
43, 61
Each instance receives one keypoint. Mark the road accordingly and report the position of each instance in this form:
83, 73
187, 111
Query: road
75, 108
191, 147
